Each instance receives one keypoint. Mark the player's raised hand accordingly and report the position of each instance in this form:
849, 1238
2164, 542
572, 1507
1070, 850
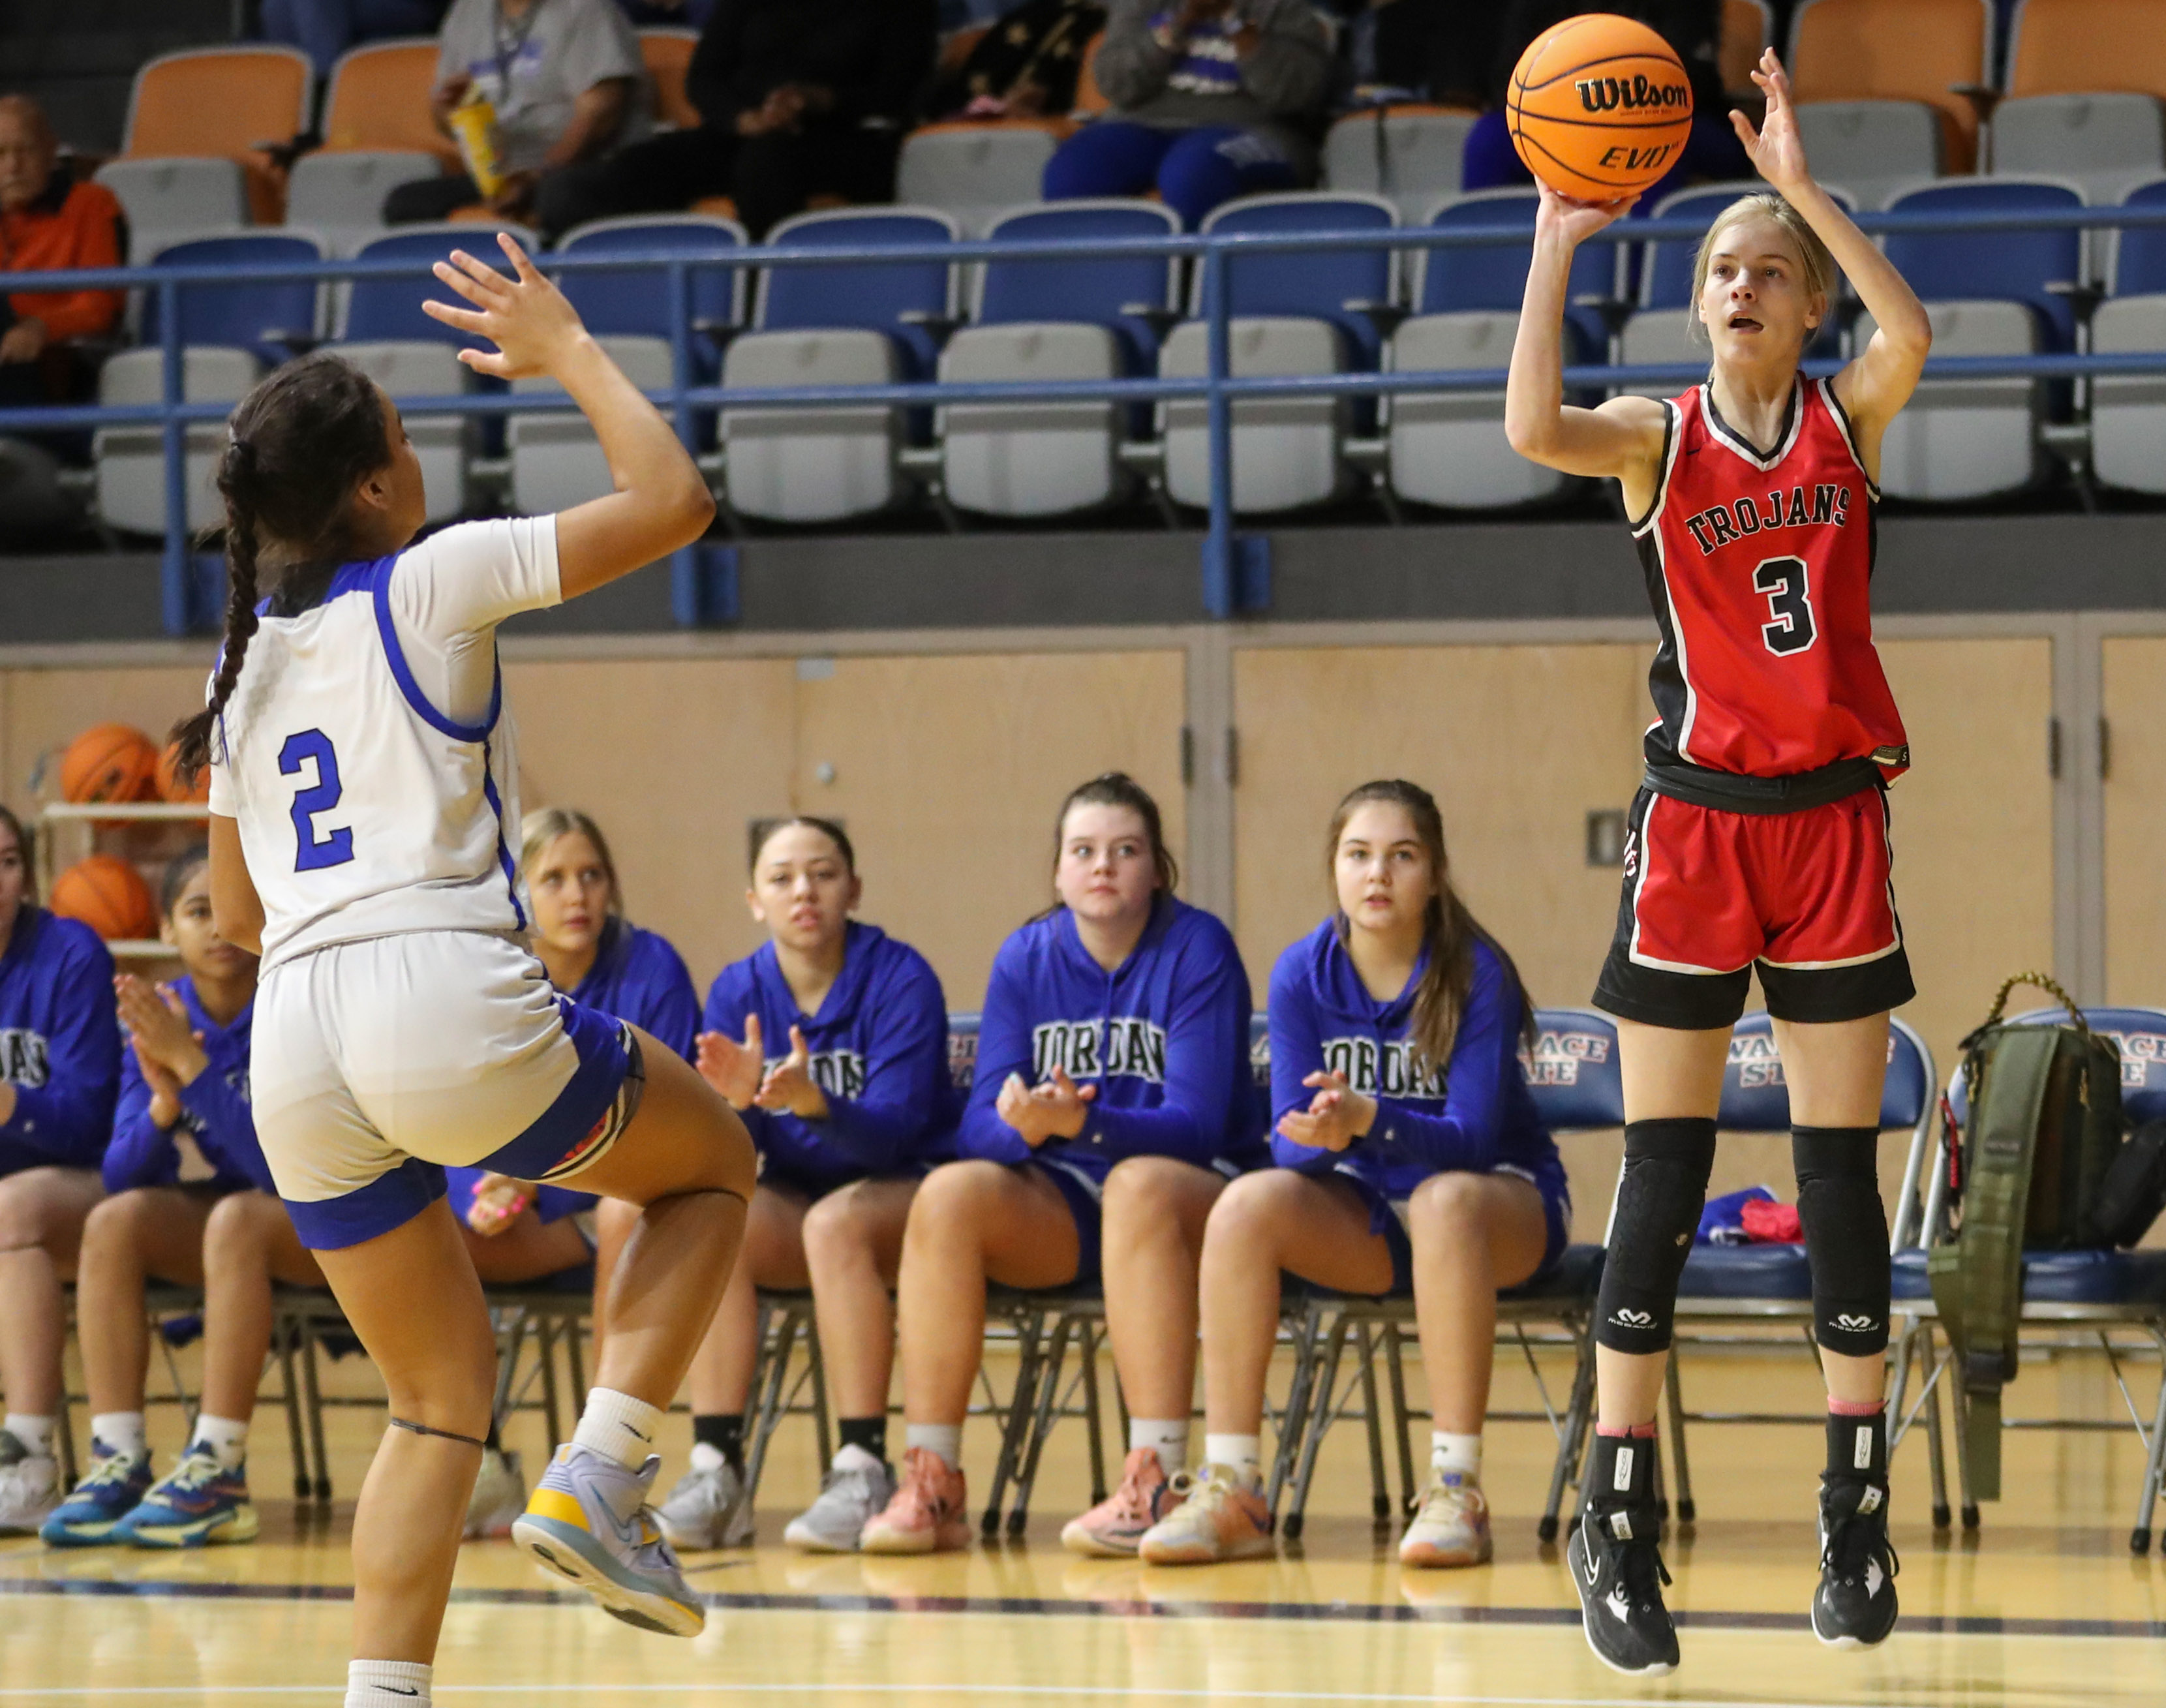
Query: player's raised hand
526, 317
733, 1069
1776, 148
1575, 222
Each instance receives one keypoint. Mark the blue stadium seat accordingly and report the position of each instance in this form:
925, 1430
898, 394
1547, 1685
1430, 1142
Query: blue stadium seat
1317, 284
1494, 276
635, 303
271, 319
389, 308
1094, 292
2128, 411
2139, 253
1994, 266
873, 296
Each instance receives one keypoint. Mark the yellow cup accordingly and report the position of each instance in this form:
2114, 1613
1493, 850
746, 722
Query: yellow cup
473, 124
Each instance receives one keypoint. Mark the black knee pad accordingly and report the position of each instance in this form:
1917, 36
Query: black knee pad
1664, 1189
1845, 1235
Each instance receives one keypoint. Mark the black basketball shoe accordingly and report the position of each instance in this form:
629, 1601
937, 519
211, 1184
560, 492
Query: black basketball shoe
1617, 1567
1855, 1606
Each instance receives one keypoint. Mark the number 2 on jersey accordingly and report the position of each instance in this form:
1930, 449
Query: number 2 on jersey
313, 853
1789, 602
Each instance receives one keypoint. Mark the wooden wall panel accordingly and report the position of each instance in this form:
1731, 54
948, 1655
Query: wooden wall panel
42, 711
948, 772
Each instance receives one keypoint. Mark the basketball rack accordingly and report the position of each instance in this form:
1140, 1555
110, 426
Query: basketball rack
95, 812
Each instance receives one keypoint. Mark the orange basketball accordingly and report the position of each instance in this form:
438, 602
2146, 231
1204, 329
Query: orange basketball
1598, 106
108, 896
171, 787
114, 763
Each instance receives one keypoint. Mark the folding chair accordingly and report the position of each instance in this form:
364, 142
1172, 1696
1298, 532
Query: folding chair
2086, 1293
1572, 1071
1759, 1285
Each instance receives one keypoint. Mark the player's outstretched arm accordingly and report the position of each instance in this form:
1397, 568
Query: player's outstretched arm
661, 500
1880, 382
1623, 438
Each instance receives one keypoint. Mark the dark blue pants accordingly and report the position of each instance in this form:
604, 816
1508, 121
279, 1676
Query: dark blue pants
323, 29
1192, 171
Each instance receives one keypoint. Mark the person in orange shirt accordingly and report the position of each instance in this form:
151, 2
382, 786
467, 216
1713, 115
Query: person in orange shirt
47, 223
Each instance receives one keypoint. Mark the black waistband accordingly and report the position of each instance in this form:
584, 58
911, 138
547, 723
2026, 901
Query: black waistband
1728, 792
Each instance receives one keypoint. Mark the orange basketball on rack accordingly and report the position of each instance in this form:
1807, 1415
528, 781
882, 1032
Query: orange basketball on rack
172, 788
114, 763
108, 896
1598, 106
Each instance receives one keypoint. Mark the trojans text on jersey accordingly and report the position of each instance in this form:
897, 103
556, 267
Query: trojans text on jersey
1828, 505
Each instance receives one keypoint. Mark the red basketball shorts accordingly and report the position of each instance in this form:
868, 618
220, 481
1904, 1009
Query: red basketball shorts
1709, 894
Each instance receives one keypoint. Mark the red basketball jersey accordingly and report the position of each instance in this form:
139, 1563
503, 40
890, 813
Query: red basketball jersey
1759, 567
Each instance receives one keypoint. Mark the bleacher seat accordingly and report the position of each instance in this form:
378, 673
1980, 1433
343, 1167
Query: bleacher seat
2128, 412
854, 324
2105, 143
229, 332
1897, 50
556, 460
224, 103
976, 171
1409, 155
1747, 30
338, 193
168, 201
2074, 47
667, 56
1293, 313
377, 97
1448, 448
1494, 275
1989, 294
1652, 335
1872, 148
1053, 320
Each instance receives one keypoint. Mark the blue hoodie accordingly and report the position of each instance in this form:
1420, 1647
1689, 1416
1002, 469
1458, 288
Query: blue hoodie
60, 1042
1165, 1038
214, 1111
1475, 1115
638, 975
879, 1051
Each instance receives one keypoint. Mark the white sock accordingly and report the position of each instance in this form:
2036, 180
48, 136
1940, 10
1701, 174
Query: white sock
945, 1439
386, 1684
1450, 1455
619, 1427
120, 1432
1242, 1454
1166, 1436
35, 1433
706, 1457
225, 1436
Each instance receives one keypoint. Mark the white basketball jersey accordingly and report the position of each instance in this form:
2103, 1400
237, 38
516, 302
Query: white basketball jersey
365, 754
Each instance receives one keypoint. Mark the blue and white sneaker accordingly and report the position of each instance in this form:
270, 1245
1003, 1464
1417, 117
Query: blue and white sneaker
115, 1486
588, 1520
194, 1504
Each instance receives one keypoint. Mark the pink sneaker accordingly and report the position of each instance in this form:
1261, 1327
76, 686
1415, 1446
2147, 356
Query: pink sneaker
1110, 1529
929, 1514
1222, 1515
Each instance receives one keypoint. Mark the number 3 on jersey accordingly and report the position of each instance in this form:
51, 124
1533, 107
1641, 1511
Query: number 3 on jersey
1789, 602
313, 853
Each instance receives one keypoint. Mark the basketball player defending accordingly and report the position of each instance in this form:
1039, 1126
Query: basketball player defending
1759, 837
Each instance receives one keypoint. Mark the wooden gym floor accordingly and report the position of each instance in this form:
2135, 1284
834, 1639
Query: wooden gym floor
2044, 1606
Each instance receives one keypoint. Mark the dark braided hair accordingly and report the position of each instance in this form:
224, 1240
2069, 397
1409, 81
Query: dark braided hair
301, 441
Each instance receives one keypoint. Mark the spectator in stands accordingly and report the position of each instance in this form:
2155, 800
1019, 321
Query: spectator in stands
567, 85
59, 1069
49, 222
797, 98
1692, 27
1212, 99
323, 29
668, 15
1025, 65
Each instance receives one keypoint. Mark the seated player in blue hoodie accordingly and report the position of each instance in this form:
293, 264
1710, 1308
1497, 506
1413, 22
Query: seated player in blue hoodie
1112, 1103
516, 1231
1413, 1159
831, 1039
60, 1068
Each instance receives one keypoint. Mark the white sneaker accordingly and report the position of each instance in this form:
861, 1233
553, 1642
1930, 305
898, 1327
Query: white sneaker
588, 1521
499, 1495
856, 1489
1452, 1528
30, 1487
707, 1509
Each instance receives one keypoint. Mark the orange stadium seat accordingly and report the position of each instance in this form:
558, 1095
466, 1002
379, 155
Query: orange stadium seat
1896, 51
1748, 28
2088, 47
669, 56
379, 100
224, 103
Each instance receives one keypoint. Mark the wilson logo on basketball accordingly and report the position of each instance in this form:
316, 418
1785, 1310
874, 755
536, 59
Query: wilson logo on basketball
1634, 94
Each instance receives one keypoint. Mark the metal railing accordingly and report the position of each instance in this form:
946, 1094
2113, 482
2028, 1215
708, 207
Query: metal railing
186, 610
